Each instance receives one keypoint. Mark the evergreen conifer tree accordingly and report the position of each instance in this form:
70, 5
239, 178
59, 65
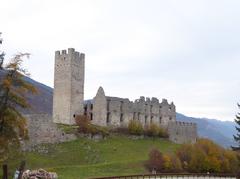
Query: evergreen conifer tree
2, 54
237, 136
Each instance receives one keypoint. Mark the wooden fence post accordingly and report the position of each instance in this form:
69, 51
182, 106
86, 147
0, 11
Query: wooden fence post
5, 171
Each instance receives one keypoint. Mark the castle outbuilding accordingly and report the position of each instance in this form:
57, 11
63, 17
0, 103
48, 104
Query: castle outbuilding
68, 101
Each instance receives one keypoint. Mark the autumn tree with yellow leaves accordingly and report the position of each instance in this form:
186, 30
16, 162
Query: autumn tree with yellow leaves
13, 92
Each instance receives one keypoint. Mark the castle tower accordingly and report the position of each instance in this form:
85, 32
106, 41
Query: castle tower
68, 95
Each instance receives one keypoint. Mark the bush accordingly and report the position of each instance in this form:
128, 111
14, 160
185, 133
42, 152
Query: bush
156, 161
85, 127
154, 130
163, 162
176, 165
163, 132
135, 128
206, 156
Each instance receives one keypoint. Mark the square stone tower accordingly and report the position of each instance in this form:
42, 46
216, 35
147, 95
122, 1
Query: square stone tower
68, 95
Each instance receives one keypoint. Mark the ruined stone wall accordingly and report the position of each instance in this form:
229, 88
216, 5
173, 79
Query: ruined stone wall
121, 111
68, 92
182, 132
117, 112
114, 111
99, 111
41, 129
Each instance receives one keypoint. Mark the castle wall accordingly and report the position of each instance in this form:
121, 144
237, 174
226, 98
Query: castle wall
117, 112
182, 132
68, 101
41, 129
68, 86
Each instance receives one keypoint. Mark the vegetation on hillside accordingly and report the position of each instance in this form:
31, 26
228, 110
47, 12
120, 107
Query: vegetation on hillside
2, 54
237, 136
152, 130
202, 157
86, 127
85, 158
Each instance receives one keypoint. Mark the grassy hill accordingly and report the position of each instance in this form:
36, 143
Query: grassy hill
84, 158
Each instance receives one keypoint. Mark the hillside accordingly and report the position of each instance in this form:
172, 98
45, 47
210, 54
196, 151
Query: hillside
84, 158
40, 103
219, 131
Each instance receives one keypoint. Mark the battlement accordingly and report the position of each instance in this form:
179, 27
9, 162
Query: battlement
153, 100
180, 123
70, 52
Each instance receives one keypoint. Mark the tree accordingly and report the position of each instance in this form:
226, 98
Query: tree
156, 161
13, 90
237, 136
2, 54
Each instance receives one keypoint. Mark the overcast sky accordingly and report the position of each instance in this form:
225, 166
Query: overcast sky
187, 51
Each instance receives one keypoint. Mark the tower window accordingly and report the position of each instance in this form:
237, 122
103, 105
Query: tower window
108, 117
121, 117
139, 116
145, 119
121, 106
108, 104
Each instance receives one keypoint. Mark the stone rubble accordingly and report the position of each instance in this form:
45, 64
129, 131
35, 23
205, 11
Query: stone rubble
39, 174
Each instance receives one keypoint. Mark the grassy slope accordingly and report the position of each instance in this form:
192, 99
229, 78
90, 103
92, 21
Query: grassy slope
83, 158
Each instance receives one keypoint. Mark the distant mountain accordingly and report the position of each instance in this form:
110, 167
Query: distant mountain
40, 102
219, 131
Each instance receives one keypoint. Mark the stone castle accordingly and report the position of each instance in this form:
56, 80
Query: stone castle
68, 101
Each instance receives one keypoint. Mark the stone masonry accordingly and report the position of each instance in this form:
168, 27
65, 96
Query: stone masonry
68, 86
114, 111
41, 129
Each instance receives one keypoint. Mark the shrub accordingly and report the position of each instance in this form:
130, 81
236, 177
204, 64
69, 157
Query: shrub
184, 154
156, 161
135, 127
163, 162
162, 132
85, 127
176, 165
83, 123
206, 156
152, 130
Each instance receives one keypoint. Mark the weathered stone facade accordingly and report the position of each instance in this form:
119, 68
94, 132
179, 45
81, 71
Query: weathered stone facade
182, 132
113, 111
68, 86
104, 110
41, 129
